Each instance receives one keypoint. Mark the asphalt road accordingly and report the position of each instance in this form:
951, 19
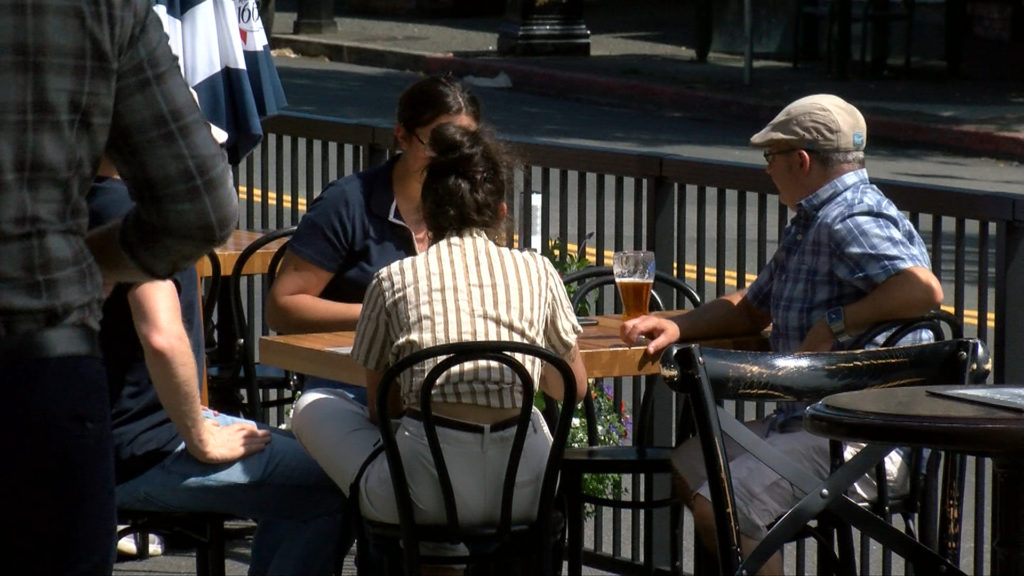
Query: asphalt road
369, 94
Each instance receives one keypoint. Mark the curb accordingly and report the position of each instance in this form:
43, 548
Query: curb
642, 95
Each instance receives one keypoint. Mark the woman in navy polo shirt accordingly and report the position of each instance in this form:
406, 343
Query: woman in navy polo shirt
363, 222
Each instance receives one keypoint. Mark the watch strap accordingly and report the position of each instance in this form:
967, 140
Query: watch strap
836, 320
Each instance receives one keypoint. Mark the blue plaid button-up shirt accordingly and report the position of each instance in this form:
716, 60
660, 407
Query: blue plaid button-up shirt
846, 239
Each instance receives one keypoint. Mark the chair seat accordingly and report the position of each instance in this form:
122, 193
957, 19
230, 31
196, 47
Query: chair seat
618, 459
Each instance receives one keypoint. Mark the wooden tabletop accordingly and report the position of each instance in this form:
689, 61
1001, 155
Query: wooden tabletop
228, 253
914, 415
327, 354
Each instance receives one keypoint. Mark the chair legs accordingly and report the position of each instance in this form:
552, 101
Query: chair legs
205, 531
572, 484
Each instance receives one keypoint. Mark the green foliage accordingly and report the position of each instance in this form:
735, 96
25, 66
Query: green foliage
557, 252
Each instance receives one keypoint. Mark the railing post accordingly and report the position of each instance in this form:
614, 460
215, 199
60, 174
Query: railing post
661, 237
1008, 348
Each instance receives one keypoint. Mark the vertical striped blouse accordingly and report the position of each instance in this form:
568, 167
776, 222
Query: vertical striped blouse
463, 289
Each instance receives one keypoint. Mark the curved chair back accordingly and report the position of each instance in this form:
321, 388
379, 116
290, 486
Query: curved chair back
210, 296
240, 368
507, 541
666, 287
677, 294
710, 376
941, 324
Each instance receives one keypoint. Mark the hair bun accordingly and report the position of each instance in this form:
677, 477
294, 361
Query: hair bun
464, 185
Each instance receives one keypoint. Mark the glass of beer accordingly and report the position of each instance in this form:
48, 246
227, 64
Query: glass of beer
634, 275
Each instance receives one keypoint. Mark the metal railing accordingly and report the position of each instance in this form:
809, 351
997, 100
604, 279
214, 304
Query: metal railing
713, 223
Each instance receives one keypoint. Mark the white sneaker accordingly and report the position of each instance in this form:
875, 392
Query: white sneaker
128, 545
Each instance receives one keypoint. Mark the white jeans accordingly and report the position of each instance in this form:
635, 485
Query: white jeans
338, 433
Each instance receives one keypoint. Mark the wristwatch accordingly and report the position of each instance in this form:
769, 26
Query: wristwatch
837, 322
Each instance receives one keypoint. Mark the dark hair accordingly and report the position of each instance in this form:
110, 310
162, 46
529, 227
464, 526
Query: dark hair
464, 184
429, 99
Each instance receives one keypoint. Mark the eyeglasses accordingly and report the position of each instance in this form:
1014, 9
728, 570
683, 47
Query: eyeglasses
768, 154
420, 140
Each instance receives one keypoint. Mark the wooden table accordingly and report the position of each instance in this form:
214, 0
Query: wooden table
228, 253
327, 354
914, 416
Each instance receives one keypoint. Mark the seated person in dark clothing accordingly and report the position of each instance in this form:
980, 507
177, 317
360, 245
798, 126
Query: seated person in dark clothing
174, 455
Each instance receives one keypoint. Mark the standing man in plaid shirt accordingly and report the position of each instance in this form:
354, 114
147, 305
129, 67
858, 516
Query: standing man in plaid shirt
78, 79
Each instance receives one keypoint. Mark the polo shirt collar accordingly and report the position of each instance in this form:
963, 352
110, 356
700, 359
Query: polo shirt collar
381, 191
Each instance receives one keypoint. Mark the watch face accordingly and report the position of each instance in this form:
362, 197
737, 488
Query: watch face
834, 315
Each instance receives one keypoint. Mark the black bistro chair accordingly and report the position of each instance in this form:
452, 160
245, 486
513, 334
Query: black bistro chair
643, 458
929, 470
236, 370
508, 546
711, 376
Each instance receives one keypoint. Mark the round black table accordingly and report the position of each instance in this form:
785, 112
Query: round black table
913, 416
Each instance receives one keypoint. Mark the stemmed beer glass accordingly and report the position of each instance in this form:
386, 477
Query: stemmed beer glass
634, 276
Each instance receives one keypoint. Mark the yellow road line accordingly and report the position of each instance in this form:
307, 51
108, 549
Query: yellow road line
257, 197
689, 271
690, 274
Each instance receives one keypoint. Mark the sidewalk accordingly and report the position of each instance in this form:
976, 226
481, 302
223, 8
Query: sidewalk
640, 58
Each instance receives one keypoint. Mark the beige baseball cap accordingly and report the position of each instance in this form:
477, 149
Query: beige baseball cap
822, 122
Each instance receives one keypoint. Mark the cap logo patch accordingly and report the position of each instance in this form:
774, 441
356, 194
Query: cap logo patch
858, 139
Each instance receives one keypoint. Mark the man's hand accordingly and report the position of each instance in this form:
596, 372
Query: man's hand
656, 332
223, 444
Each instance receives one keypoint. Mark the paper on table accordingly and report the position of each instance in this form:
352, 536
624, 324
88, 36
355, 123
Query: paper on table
341, 349
1002, 397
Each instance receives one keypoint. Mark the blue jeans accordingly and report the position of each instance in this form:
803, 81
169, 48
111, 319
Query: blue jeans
298, 509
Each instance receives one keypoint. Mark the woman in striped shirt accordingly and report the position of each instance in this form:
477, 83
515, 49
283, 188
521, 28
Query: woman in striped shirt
464, 287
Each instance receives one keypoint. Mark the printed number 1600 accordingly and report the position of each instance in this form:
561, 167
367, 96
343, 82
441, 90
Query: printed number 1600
248, 11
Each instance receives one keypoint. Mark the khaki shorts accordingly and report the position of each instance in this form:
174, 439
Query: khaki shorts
761, 494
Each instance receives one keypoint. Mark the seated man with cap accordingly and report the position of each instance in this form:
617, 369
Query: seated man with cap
847, 260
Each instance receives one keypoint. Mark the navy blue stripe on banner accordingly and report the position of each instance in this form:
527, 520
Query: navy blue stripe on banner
226, 99
266, 85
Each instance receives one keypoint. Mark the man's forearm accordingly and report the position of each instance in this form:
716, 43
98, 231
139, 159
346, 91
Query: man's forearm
909, 293
170, 362
173, 373
729, 315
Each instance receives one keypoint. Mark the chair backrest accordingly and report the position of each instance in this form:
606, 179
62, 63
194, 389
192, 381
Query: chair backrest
712, 375
669, 293
444, 358
941, 324
242, 361
211, 293
236, 280
666, 286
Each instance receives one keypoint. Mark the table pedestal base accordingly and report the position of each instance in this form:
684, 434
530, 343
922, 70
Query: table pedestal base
1007, 520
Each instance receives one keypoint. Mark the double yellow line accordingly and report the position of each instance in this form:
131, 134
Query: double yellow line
689, 271
690, 274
